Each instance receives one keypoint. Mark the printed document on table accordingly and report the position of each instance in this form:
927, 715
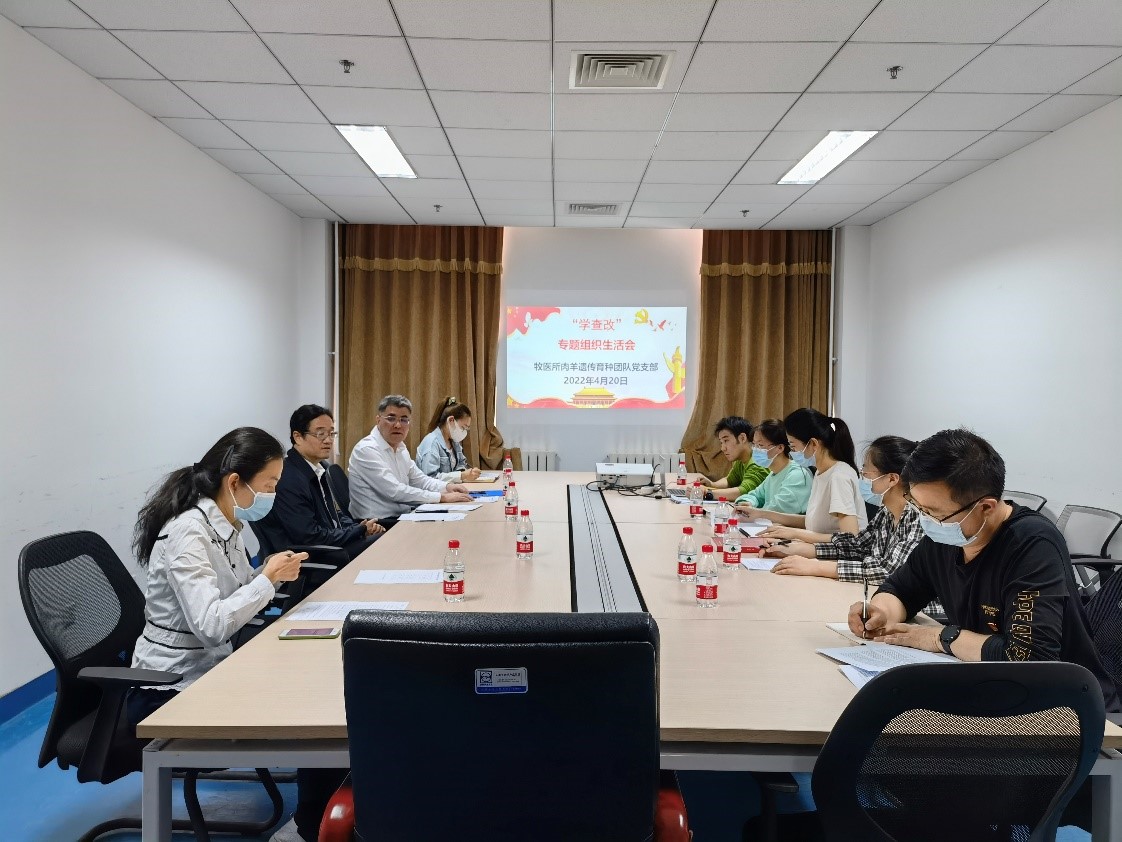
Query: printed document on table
399, 577
843, 630
431, 517
448, 507
755, 528
339, 610
859, 677
878, 657
753, 563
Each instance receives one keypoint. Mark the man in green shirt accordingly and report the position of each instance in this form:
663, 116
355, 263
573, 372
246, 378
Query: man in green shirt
735, 435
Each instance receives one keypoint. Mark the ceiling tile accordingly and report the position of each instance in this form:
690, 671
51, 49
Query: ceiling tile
203, 15
308, 207
274, 185
1071, 22
236, 101
674, 193
997, 145
508, 143
450, 205
97, 52
966, 111
373, 106
522, 190
476, 110
659, 222
60, 13
915, 146
567, 191
338, 17
507, 169
912, 192
160, 99
314, 60
748, 223
1021, 69
691, 210
846, 193
878, 172
444, 218
520, 221
862, 111
864, 67
207, 56
594, 111
420, 140
508, 19
624, 146
730, 112
320, 163
587, 170
787, 146
679, 55
334, 185
461, 65
944, 22
691, 172
565, 220
435, 166
813, 216
732, 212
756, 68
786, 20
702, 146
290, 137
950, 171
875, 213
629, 20
244, 161
369, 209
1056, 112
1108, 80
205, 133
519, 207
765, 194
431, 190
762, 172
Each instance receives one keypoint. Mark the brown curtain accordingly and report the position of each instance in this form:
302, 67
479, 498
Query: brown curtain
420, 318
765, 332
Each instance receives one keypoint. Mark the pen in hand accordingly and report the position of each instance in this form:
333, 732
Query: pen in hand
865, 600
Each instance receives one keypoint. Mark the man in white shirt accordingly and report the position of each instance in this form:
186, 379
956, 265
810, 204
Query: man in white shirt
385, 481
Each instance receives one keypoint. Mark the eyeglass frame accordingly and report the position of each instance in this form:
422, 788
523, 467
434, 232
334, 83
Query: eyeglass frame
911, 502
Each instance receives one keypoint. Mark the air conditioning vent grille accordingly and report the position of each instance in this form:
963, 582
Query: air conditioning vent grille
618, 70
590, 209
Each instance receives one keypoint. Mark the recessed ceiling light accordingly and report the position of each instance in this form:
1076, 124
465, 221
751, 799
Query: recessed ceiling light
830, 151
375, 146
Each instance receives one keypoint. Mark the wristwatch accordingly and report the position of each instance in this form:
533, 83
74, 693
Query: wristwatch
947, 636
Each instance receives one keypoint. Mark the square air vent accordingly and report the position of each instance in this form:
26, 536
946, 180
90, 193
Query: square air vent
589, 209
627, 71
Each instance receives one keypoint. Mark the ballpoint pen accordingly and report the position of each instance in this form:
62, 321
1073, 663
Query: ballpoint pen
865, 600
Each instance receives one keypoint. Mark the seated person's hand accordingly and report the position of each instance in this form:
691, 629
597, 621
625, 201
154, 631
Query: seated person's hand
746, 510
470, 475
786, 533
455, 497
457, 486
283, 566
373, 527
797, 565
871, 628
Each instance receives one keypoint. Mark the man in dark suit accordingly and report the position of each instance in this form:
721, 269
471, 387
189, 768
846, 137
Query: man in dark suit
306, 510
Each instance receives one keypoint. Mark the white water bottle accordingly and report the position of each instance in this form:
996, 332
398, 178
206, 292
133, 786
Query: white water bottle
687, 556
508, 470
732, 545
524, 543
706, 587
512, 501
697, 494
721, 514
453, 573
681, 480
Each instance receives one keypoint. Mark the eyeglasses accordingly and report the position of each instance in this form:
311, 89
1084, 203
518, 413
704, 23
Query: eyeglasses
393, 420
911, 502
322, 435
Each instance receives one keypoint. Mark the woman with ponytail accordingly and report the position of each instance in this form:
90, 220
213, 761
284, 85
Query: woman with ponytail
439, 454
835, 505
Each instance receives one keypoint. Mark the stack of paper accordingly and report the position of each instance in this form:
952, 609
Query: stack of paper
339, 610
448, 507
399, 577
755, 563
878, 657
420, 517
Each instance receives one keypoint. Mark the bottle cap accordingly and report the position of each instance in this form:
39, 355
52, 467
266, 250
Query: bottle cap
733, 521
687, 530
723, 499
525, 513
697, 482
453, 544
512, 483
707, 548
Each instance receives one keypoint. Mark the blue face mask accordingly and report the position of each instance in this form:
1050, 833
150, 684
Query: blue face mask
870, 496
262, 504
801, 458
948, 533
760, 457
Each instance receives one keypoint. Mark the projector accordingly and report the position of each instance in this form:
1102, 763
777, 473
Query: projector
625, 474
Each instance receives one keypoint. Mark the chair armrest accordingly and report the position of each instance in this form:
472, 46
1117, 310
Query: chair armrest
315, 565
126, 677
314, 548
670, 823
338, 824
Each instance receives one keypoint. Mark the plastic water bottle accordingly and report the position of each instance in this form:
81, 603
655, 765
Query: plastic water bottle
508, 470
687, 556
721, 514
706, 588
524, 544
512, 501
732, 545
697, 494
453, 573
682, 479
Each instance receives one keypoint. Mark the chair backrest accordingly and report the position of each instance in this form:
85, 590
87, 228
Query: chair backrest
1104, 617
86, 611
1088, 530
340, 486
1026, 498
502, 726
944, 751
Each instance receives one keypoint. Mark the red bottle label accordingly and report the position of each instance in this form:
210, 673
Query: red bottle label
512, 511
681, 480
706, 591
525, 546
718, 528
687, 568
453, 588
696, 510
732, 557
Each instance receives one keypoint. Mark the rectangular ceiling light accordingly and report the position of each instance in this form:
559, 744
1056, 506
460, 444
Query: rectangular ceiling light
376, 147
830, 151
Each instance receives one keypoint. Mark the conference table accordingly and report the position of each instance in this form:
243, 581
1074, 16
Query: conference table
741, 687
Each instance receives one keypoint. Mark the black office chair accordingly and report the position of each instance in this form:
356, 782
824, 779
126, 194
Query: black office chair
324, 561
1088, 532
504, 727
87, 612
1026, 498
340, 485
1104, 616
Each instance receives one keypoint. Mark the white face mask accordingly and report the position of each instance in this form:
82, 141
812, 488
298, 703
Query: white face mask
456, 432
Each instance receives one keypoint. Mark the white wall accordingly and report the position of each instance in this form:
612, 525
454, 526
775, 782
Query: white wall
997, 303
314, 306
851, 328
149, 305
575, 266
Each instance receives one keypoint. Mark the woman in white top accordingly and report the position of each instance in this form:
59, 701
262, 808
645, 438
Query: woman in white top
439, 454
836, 504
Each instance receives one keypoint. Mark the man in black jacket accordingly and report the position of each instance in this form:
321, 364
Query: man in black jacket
306, 509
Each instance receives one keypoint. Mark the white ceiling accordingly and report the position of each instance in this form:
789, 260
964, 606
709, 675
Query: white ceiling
475, 92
